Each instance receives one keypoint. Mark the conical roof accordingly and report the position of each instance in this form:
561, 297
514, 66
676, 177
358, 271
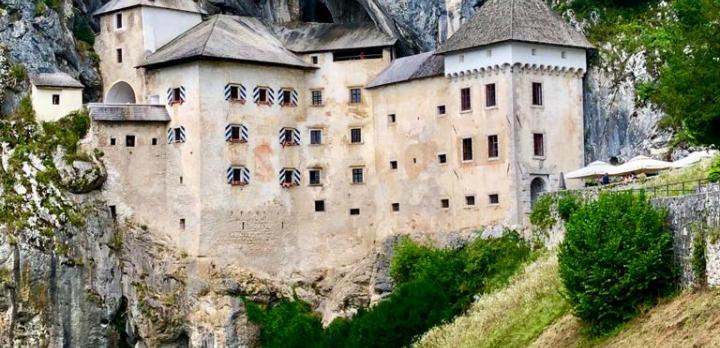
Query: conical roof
514, 20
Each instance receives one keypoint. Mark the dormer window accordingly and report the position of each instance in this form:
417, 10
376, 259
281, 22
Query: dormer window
118, 21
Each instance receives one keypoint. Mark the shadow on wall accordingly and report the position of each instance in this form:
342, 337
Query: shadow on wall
120, 93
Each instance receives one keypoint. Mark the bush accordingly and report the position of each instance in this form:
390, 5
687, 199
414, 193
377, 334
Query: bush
567, 204
433, 285
714, 172
541, 215
18, 72
82, 30
617, 256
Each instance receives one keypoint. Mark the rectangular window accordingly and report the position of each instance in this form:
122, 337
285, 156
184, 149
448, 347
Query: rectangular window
286, 97
358, 54
538, 145
442, 158
234, 92
154, 141
355, 96
441, 110
317, 98
494, 198
320, 206
130, 141
314, 177
354, 211
288, 136
393, 165
118, 21
465, 101
56, 99
357, 176
537, 93
315, 137
391, 118
112, 141
490, 100
467, 149
236, 176
493, 146
356, 135
396, 207
288, 177
262, 95
176, 96
113, 212
470, 201
119, 54
182, 224
445, 203
315, 60
179, 136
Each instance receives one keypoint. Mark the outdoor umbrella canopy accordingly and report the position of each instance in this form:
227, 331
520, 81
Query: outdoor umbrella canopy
595, 169
693, 158
641, 164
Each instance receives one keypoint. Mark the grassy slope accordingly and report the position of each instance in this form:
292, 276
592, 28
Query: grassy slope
510, 317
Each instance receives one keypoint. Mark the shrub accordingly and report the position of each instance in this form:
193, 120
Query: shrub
567, 204
18, 72
287, 324
699, 260
617, 256
82, 30
541, 215
714, 172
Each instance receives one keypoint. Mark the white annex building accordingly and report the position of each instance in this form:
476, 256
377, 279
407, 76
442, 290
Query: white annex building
300, 146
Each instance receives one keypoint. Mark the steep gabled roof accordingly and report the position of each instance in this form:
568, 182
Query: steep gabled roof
179, 5
57, 79
322, 37
225, 37
514, 20
410, 68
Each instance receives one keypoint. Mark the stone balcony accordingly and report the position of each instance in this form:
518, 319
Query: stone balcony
128, 112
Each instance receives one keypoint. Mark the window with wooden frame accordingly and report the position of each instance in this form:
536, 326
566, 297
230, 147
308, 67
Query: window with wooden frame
493, 147
316, 137
465, 99
490, 99
357, 175
288, 97
467, 149
235, 92
315, 177
537, 94
494, 199
176, 135
317, 97
176, 95
236, 133
538, 145
356, 135
263, 96
56, 99
289, 137
355, 95
238, 176
289, 177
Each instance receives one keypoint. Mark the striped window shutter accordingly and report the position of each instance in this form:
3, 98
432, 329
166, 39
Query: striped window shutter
242, 92
177, 135
256, 94
171, 135
296, 136
295, 176
171, 95
244, 175
244, 134
293, 96
183, 135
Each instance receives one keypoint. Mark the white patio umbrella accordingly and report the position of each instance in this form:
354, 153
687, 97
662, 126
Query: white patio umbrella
641, 164
595, 169
693, 158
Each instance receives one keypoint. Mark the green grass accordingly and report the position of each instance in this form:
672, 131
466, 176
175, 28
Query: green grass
510, 317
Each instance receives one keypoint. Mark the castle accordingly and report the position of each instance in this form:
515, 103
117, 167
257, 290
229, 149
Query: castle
300, 146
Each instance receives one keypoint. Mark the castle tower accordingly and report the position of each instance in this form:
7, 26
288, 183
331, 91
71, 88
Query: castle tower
132, 29
520, 58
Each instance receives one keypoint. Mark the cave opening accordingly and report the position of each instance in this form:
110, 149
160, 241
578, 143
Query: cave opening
315, 11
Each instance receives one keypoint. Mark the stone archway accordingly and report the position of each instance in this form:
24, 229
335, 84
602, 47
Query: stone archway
120, 93
537, 187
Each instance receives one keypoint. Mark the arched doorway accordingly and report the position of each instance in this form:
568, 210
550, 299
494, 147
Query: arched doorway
537, 187
120, 93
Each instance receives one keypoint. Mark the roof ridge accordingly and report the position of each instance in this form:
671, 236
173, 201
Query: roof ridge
212, 30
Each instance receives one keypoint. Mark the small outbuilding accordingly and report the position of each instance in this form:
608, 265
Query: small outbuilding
55, 95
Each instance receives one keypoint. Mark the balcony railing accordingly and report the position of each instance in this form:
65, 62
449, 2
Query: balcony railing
128, 112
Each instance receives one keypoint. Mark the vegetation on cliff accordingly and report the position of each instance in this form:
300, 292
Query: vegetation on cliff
432, 286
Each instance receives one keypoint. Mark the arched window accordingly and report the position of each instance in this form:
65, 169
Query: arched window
537, 187
120, 93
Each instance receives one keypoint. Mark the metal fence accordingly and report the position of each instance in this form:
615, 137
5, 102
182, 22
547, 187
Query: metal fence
653, 190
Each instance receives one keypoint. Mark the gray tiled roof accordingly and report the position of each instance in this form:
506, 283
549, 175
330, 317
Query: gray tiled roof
514, 20
319, 37
227, 38
410, 68
57, 79
128, 113
179, 5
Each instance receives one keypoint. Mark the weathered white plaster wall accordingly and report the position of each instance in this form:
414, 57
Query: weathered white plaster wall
161, 25
42, 101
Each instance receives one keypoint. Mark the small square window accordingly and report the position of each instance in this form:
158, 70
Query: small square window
494, 198
315, 175
315, 137
130, 141
317, 98
113, 141
396, 207
119, 55
392, 118
355, 96
445, 203
357, 176
56, 99
441, 110
470, 201
356, 135
315, 59
154, 141
320, 206
354, 211
442, 158
393, 165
